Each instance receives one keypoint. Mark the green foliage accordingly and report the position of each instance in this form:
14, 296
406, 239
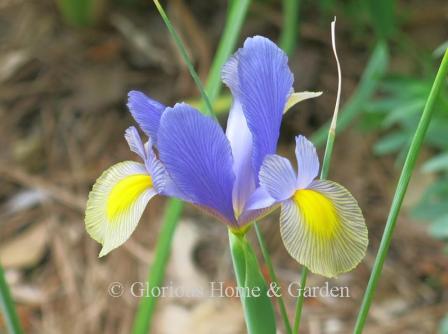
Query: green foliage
364, 16
433, 203
400, 191
142, 321
80, 13
437, 164
382, 15
397, 112
258, 310
274, 279
300, 300
235, 18
443, 329
331, 136
370, 79
183, 51
7, 307
439, 228
288, 38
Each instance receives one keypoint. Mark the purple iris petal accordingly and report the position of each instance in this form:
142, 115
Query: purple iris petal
307, 162
229, 74
162, 182
263, 86
135, 142
249, 216
146, 112
278, 177
145, 152
240, 139
259, 199
198, 157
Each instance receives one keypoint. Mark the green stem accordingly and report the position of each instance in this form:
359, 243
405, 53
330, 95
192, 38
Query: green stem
323, 176
288, 41
183, 52
255, 295
400, 192
327, 155
288, 38
237, 13
267, 259
155, 275
7, 306
174, 208
300, 300
325, 167
368, 84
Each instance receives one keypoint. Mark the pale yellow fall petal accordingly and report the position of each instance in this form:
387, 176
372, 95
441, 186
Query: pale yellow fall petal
323, 228
116, 203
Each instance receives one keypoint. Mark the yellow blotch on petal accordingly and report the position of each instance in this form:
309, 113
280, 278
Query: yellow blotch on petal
319, 213
125, 192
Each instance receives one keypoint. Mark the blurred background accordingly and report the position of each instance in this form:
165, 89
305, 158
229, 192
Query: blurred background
65, 69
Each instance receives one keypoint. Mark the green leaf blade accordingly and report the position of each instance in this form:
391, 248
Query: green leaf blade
400, 192
7, 307
258, 309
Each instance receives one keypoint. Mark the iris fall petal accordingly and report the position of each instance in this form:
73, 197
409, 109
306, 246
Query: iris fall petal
116, 203
323, 228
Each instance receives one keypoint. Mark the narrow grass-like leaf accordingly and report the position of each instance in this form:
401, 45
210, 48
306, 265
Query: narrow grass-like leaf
142, 321
288, 42
400, 192
220, 105
382, 13
273, 275
300, 300
288, 38
183, 51
174, 208
370, 79
325, 167
7, 307
258, 310
236, 15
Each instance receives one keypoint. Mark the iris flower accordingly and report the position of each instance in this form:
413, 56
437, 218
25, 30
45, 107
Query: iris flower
321, 224
189, 156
